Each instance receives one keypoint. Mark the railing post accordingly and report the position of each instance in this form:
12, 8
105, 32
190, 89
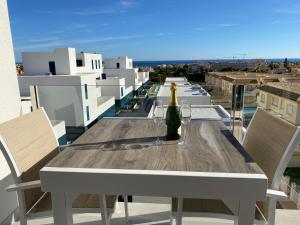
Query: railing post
293, 193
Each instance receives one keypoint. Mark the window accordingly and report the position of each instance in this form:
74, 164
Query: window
52, 67
274, 101
99, 64
103, 76
122, 91
118, 65
88, 113
92, 64
79, 63
289, 109
263, 98
86, 91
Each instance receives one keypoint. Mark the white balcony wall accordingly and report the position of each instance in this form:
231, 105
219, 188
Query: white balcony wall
112, 87
10, 106
64, 97
37, 63
130, 75
124, 63
26, 105
91, 63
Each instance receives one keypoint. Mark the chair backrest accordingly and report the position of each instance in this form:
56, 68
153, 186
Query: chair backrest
271, 142
28, 143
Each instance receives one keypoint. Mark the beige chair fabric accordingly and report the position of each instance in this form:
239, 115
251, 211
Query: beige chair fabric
32, 143
266, 140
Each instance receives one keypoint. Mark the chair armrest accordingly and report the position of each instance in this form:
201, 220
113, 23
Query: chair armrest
24, 186
279, 195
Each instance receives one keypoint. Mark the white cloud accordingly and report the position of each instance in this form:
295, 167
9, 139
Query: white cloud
227, 24
45, 39
53, 44
285, 22
288, 11
215, 26
128, 3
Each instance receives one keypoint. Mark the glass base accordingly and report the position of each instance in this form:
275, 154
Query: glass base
183, 143
158, 141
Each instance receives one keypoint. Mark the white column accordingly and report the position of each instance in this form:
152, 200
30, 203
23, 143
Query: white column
62, 211
246, 212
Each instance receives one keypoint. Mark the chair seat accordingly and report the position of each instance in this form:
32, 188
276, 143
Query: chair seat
82, 201
207, 206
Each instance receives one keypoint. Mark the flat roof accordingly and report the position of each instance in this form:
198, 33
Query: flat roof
183, 91
176, 79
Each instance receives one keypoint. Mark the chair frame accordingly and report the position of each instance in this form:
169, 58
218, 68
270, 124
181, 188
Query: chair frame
273, 194
19, 187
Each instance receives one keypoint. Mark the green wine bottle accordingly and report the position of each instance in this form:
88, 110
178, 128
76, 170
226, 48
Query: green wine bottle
173, 116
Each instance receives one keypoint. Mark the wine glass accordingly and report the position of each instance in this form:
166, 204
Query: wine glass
158, 116
185, 114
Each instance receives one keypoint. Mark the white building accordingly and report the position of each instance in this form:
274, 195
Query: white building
194, 94
66, 87
122, 67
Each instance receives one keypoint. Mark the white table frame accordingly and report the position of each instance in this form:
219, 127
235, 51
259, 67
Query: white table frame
246, 189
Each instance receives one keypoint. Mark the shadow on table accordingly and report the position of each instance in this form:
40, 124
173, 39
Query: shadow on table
229, 136
122, 144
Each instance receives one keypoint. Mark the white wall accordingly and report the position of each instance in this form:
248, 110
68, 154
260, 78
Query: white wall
10, 105
112, 87
63, 97
37, 63
26, 106
9, 90
125, 63
130, 75
87, 59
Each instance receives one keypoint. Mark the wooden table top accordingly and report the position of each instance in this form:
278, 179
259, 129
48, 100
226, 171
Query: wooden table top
128, 144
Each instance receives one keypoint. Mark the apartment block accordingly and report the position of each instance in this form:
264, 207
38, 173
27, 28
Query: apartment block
282, 99
122, 67
66, 87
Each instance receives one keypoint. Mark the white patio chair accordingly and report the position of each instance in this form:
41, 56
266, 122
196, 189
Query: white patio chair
271, 143
28, 143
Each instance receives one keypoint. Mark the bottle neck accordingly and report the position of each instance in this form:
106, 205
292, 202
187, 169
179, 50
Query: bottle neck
173, 98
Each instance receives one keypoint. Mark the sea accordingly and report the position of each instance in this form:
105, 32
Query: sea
168, 62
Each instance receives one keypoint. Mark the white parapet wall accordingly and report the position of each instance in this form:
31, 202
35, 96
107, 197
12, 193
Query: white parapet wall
114, 86
123, 62
64, 60
10, 106
131, 76
72, 98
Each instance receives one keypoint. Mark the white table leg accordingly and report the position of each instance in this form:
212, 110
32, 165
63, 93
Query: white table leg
179, 211
126, 208
62, 211
246, 212
103, 209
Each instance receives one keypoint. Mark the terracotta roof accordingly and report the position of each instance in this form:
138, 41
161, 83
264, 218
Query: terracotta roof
281, 92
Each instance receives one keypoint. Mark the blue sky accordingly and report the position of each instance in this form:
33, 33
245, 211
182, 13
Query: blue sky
159, 29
